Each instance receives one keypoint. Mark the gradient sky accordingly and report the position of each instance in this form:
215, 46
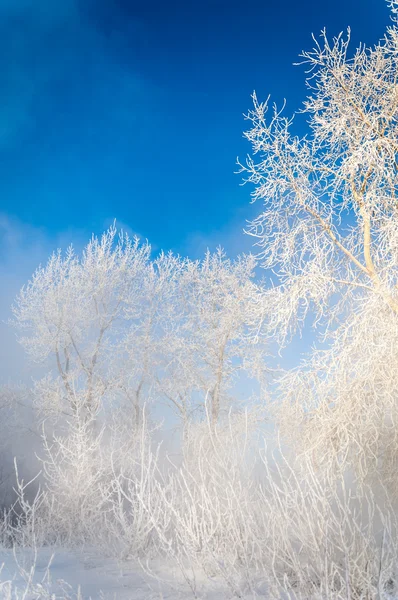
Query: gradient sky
133, 110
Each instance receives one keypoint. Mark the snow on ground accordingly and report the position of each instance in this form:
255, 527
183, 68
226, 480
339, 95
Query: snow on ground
93, 575
83, 575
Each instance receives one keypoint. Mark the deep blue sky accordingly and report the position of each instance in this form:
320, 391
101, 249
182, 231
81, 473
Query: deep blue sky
133, 109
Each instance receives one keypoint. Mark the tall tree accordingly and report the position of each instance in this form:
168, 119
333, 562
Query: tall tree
329, 231
212, 345
71, 314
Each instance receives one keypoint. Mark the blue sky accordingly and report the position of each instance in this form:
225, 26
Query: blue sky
133, 110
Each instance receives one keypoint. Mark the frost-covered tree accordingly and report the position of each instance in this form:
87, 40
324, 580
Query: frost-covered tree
211, 342
71, 314
145, 346
329, 231
118, 329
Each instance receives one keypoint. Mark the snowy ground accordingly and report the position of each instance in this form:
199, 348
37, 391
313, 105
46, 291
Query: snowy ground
84, 575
